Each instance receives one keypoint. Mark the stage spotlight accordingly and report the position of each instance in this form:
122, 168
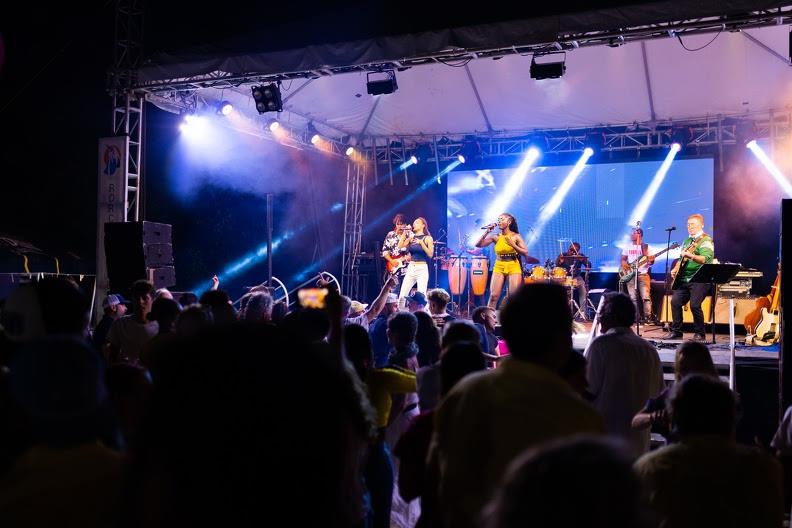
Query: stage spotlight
539, 141
274, 125
682, 136
423, 152
461, 158
771, 167
471, 149
548, 66
380, 83
267, 98
316, 138
225, 108
350, 151
413, 159
595, 140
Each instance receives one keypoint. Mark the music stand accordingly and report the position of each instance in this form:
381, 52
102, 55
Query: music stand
714, 275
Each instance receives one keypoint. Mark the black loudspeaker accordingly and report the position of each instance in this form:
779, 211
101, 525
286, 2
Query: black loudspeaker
139, 250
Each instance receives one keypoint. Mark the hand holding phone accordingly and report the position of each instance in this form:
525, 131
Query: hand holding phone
312, 297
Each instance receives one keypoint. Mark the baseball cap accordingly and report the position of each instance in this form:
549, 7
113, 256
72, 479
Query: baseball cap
113, 299
418, 298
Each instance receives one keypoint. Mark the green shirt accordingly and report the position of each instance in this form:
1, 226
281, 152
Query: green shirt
706, 249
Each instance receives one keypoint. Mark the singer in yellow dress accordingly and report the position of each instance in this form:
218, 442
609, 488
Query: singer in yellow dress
509, 248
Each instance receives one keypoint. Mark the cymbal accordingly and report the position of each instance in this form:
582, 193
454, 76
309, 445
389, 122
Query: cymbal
531, 260
439, 243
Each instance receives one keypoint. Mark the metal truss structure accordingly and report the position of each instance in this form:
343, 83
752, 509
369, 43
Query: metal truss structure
353, 229
460, 56
128, 104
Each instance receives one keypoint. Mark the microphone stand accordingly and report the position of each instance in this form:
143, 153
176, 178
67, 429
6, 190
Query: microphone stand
666, 300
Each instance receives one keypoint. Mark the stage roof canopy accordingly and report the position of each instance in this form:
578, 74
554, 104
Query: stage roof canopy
654, 62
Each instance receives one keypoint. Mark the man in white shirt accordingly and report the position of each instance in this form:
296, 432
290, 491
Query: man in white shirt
630, 255
623, 371
130, 333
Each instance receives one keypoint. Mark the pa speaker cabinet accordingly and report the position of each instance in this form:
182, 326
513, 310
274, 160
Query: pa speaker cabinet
134, 248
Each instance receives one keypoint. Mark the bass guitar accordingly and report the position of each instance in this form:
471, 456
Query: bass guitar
628, 273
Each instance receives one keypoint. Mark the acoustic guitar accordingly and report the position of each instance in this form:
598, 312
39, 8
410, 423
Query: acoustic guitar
681, 263
768, 329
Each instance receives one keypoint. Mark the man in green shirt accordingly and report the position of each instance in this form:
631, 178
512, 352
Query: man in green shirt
699, 250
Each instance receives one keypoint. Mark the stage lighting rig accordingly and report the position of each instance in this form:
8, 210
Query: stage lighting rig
267, 98
380, 83
595, 140
548, 65
681, 135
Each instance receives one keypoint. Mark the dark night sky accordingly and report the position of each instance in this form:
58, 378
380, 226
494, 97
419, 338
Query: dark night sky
53, 103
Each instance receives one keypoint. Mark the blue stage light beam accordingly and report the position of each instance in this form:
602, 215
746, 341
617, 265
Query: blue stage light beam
771, 167
506, 196
550, 209
640, 210
387, 215
409, 163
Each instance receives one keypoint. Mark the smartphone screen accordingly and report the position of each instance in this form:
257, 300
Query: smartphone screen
312, 297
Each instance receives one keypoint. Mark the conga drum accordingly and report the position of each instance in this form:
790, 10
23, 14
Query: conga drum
457, 274
479, 271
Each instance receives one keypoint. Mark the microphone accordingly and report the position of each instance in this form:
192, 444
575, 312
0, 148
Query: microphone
489, 226
669, 229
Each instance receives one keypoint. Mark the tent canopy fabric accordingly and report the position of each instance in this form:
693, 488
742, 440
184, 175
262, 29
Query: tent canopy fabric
681, 77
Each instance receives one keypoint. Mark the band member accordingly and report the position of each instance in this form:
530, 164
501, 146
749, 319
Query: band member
631, 253
420, 247
699, 249
509, 245
394, 254
573, 261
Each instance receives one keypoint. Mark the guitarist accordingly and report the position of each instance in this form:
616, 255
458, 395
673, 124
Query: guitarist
631, 253
698, 249
394, 254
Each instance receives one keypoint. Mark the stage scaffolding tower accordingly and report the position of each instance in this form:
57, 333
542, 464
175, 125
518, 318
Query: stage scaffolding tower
353, 230
128, 103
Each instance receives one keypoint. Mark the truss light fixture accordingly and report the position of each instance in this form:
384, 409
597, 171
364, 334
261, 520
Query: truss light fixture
423, 152
381, 83
548, 65
595, 140
267, 98
681, 136
225, 108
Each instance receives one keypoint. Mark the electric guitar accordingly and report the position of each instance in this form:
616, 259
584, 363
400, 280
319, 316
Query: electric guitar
397, 263
767, 330
628, 273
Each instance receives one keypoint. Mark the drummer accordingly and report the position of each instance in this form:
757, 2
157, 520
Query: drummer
574, 262
509, 247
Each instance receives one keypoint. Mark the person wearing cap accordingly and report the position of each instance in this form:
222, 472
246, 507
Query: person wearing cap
416, 302
115, 306
378, 331
365, 318
130, 333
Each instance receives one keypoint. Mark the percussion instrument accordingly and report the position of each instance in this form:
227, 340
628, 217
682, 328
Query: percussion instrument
457, 274
479, 270
559, 273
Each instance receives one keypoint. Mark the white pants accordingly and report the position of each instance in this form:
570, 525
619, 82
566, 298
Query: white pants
417, 273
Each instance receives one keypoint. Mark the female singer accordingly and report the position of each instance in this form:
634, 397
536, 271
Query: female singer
509, 245
420, 246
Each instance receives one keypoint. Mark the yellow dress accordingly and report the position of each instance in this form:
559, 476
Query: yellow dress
506, 267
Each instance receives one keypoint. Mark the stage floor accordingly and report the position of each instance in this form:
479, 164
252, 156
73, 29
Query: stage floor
666, 348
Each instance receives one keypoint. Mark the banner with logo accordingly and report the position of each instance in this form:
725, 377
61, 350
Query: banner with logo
111, 200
